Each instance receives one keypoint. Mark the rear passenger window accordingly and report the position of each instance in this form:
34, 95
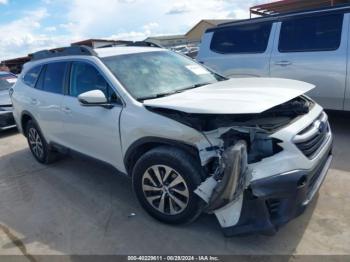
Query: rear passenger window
54, 77
308, 34
31, 76
252, 38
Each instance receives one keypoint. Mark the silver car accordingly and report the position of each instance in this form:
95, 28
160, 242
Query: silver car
310, 46
7, 80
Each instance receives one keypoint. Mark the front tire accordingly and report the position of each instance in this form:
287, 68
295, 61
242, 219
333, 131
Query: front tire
38, 145
164, 180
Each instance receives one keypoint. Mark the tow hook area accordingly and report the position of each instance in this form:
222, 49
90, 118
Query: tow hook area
223, 191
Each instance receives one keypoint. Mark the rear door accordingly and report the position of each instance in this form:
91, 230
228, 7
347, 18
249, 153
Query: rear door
47, 98
238, 50
92, 130
313, 49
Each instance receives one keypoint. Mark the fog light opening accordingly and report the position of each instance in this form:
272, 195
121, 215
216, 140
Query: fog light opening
302, 181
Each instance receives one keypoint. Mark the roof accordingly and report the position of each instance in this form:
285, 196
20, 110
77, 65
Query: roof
279, 7
124, 50
278, 17
76, 51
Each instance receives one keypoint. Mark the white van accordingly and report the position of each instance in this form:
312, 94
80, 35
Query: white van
311, 46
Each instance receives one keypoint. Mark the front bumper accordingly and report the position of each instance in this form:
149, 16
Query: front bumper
7, 120
271, 202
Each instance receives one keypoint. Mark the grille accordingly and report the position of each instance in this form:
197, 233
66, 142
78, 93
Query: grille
315, 174
310, 140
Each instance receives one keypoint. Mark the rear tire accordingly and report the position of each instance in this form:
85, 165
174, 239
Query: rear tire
164, 179
38, 145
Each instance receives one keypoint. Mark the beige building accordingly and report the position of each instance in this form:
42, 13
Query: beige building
194, 35
167, 40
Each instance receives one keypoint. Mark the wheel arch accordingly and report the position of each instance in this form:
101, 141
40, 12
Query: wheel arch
25, 118
143, 145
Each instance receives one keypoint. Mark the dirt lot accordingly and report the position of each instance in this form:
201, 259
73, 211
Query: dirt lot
78, 206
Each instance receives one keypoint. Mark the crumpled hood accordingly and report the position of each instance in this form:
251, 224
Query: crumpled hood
234, 96
5, 98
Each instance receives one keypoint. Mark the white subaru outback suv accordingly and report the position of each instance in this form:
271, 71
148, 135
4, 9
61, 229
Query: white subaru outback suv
252, 151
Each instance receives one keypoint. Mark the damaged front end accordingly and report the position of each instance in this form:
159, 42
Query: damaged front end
226, 186
236, 142
227, 161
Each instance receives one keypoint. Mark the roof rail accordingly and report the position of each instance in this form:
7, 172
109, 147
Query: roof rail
341, 8
65, 51
144, 43
131, 43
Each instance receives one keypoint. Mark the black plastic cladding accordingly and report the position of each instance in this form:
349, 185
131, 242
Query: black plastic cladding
71, 50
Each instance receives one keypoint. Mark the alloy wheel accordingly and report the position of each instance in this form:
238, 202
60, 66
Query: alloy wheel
165, 189
35, 143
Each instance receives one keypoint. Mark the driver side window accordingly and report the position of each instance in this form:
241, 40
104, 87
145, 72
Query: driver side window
85, 77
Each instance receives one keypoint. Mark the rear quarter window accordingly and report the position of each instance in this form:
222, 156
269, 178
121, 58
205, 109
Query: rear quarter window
251, 38
310, 34
31, 76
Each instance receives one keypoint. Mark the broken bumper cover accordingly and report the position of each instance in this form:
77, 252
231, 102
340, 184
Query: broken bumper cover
270, 203
6, 118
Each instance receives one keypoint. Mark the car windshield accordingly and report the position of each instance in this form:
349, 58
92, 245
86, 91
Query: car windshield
7, 81
154, 74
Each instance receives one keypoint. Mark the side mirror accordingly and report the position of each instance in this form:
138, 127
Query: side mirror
93, 98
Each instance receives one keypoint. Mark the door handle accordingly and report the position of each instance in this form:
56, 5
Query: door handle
66, 109
283, 63
33, 101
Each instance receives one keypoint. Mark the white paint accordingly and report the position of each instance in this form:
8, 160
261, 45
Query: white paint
205, 189
93, 97
229, 215
234, 96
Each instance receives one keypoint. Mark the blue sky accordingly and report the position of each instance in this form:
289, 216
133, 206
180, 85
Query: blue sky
28, 26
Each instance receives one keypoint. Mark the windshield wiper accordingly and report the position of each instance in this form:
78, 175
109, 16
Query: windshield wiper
155, 96
193, 86
173, 92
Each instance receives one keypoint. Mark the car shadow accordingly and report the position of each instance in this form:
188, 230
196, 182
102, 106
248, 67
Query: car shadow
8, 132
80, 206
340, 125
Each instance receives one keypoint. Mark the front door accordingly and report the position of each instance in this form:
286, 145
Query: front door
92, 130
